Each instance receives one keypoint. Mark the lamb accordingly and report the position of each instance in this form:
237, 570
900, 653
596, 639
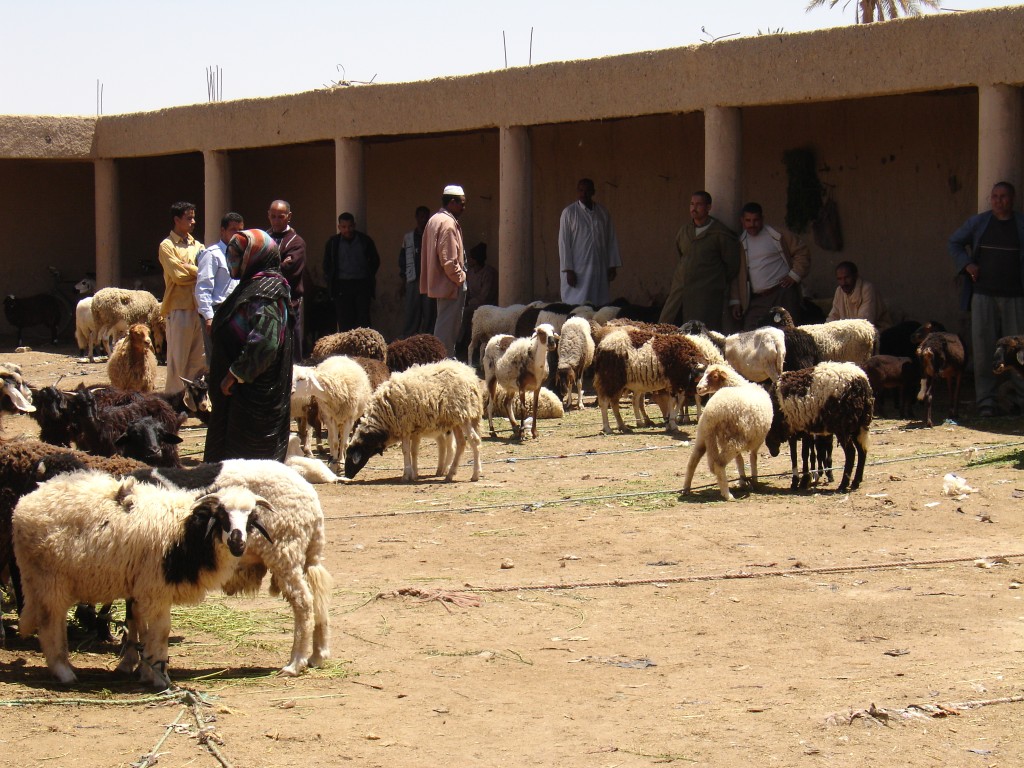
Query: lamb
293, 553
888, 372
523, 366
828, 399
549, 406
132, 363
85, 328
342, 391
628, 358
426, 400
415, 350
941, 356
115, 309
850, 341
359, 342
575, 356
28, 311
89, 537
735, 421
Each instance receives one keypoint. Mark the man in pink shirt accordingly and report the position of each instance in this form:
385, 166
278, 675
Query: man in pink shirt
443, 271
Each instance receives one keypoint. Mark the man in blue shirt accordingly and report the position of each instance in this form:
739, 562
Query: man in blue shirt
214, 281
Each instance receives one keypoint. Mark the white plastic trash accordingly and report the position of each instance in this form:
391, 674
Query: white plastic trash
954, 485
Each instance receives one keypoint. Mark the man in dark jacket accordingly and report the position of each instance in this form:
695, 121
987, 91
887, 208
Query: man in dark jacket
351, 262
293, 267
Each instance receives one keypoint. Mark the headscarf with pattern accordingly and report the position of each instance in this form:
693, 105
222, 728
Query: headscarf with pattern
255, 258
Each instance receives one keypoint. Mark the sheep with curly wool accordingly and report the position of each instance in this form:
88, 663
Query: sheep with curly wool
293, 552
838, 341
132, 363
359, 342
735, 420
828, 399
115, 309
419, 349
342, 391
426, 400
641, 361
87, 537
575, 356
523, 367
549, 405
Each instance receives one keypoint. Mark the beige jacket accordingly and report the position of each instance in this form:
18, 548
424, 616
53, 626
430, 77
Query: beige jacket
178, 259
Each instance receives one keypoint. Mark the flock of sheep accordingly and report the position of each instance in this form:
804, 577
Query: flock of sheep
119, 518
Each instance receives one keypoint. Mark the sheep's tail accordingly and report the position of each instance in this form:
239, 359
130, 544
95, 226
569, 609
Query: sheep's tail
320, 582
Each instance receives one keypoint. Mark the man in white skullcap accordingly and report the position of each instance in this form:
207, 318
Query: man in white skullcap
443, 265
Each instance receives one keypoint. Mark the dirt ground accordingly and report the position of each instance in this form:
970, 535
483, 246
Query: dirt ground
570, 610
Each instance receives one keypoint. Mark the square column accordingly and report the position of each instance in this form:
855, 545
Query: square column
108, 223
515, 223
217, 192
999, 139
722, 156
350, 180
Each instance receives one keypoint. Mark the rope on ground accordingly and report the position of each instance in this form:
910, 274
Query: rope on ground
156, 698
932, 710
533, 505
153, 757
733, 575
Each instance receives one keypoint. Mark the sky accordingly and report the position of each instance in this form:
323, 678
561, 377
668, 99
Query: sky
150, 55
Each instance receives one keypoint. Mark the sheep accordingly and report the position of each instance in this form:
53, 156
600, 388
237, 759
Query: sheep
497, 345
426, 400
628, 358
828, 399
85, 328
89, 537
850, 341
489, 321
941, 356
361, 342
1009, 355
293, 552
888, 372
15, 394
342, 391
23, 465
523, 366
549, 406
86, 286
115, 309
105, 430
377, 371
27, 311
757, 355
132, 363
575, 356
735, 421
554, 314
415, 350
312, 470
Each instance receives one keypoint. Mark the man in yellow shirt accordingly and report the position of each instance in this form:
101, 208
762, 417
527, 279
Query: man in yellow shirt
178, 252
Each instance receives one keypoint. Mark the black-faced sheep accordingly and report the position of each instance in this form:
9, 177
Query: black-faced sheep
105, 430
88, 537
359, 342
28, 311
828, 399
524, 367
641, 361
427, 400
942, 357
420, 349
891, 373
293, 553
132, 363
734, 421
575, 356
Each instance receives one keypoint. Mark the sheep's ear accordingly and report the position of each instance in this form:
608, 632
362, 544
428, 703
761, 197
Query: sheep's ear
315, 382
186, 382
121, 440
18, 397
172, 438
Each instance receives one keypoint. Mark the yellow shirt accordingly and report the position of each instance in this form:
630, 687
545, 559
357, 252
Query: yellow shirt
178, 259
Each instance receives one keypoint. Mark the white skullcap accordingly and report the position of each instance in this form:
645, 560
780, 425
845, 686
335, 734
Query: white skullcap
454, 189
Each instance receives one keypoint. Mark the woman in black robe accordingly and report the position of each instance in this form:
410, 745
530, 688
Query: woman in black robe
251, 360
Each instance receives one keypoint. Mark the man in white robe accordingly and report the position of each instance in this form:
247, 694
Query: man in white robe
588, 251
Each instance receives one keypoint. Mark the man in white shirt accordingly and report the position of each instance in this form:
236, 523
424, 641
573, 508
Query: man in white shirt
772, 264
214, 281
588, 250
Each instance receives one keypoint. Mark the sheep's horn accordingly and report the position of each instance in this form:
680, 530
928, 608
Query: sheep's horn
186, 381
209, 527
263, 531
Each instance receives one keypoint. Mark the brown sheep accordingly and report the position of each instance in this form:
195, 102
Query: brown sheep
942, 357
132, 363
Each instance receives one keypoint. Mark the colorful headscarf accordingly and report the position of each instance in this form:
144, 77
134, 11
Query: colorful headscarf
252, 251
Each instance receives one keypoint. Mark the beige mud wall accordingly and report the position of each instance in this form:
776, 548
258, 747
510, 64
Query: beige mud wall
50, 213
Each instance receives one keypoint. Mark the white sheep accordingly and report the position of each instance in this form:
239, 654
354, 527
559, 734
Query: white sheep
342, 391
87, 537
302, 399
549, 406
523, 367
757, 355
312, 470
424, 401
85, 328
132, 363
839, 341
575, 356
735, 421
114, 309
490, 321
293, 553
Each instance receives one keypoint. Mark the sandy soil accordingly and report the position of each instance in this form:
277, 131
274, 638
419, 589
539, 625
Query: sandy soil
570, 610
